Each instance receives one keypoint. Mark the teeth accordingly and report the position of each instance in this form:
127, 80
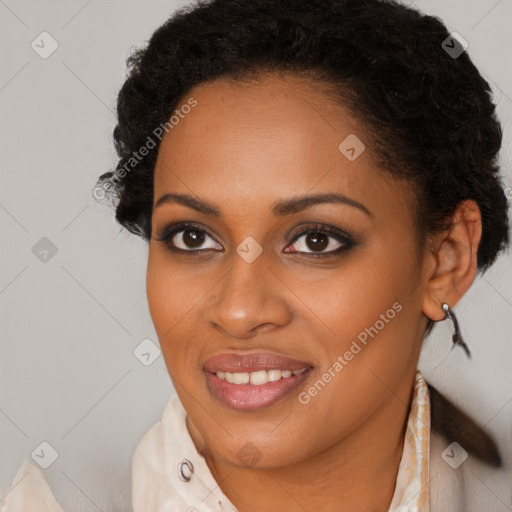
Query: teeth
257, 378
240, 378
273, 375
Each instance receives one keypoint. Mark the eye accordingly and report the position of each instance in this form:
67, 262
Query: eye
187, 237
321, 240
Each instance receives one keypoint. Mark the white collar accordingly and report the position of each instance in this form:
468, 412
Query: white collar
412, 484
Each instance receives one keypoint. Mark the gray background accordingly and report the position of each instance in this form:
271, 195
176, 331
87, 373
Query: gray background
69, 325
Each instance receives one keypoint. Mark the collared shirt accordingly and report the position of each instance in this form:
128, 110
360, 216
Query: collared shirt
412, 489
169, 475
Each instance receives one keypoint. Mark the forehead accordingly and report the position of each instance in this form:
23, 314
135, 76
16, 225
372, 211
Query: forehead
253, 142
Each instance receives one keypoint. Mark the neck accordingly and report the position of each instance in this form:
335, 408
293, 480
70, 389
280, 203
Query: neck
356, 473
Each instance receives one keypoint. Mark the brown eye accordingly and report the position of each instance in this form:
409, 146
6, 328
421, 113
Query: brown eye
317, 241
187, 238
191, 239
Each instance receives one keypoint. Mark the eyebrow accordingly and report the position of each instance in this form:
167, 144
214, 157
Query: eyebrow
280, 208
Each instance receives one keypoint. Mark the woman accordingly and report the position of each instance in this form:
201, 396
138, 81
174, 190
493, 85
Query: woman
317, 183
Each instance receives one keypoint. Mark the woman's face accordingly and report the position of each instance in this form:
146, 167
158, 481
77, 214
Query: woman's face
266, 283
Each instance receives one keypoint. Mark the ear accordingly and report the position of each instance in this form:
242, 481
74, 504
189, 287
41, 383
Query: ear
452, 260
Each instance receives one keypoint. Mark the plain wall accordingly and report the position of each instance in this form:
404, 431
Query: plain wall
69, 325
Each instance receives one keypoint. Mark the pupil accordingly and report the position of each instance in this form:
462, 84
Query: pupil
193, 238
318, 241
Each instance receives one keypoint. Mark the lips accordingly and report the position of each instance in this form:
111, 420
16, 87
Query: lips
247, 396
252, 362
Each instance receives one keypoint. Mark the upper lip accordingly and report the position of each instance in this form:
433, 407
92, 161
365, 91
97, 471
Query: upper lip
251, 362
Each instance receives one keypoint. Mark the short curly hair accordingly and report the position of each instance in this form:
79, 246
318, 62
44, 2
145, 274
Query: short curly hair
428, 114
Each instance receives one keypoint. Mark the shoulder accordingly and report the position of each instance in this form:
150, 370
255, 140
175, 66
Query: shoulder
151, 485
460, 481
468, 470
148, 453
29, 491
151, 447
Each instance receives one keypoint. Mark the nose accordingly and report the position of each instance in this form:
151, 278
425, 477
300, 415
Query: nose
249, 299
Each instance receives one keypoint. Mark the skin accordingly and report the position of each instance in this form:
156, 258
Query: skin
244, 146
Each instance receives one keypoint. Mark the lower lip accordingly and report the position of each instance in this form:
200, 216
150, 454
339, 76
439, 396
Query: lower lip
249, 397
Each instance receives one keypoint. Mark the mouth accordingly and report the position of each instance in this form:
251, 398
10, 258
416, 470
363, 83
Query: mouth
254, 380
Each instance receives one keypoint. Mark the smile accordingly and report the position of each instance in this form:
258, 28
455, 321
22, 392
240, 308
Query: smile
251, 380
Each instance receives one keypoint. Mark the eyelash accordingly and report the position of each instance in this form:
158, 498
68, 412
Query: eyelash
346, 238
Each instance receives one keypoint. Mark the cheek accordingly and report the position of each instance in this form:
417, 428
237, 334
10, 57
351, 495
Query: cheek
171, 292
172, 297
367, 313
361, 292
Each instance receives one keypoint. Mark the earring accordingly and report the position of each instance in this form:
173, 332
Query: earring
457, 337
